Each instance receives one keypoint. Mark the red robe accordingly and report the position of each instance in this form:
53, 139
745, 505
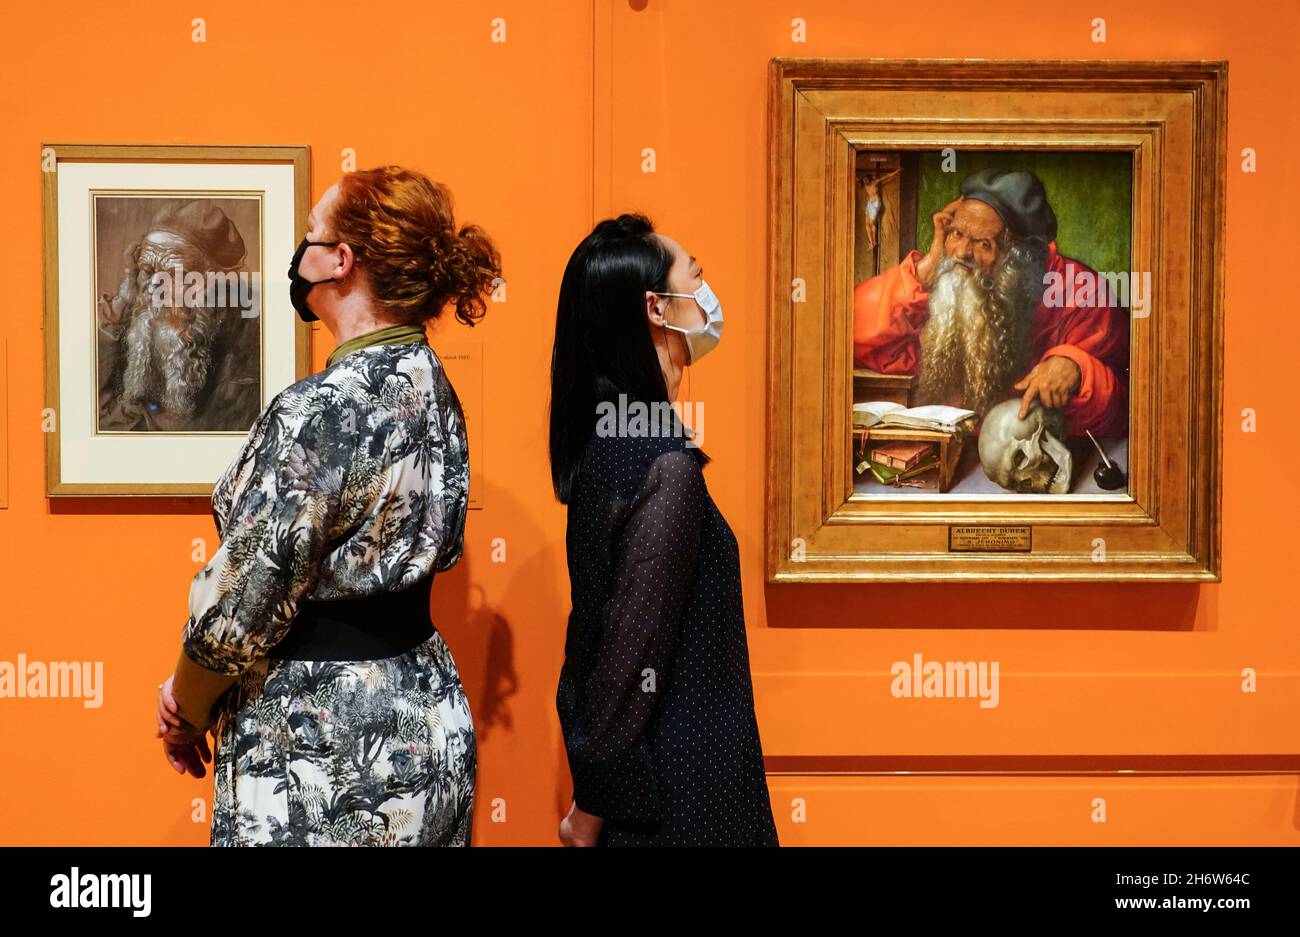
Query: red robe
890, 309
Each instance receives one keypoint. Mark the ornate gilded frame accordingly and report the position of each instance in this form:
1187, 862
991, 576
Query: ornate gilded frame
1172, 117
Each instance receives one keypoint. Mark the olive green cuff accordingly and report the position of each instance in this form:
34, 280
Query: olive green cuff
196, 690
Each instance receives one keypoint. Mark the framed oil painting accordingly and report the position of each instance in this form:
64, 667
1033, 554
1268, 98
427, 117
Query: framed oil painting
995, 320
168, 325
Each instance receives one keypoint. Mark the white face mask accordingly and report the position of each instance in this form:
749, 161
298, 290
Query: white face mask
700, 341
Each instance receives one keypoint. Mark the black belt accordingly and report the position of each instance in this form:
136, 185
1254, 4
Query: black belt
371, 627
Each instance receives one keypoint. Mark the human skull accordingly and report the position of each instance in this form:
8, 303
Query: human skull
1025, 456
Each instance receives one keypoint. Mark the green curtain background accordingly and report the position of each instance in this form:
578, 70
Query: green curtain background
1091, 194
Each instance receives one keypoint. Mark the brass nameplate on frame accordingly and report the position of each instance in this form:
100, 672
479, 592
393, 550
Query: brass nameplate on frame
1000, 538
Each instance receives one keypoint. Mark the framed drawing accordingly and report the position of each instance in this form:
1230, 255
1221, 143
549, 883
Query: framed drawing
167, 319
995, 320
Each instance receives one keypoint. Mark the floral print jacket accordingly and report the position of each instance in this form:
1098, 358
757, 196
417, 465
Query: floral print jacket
351, 482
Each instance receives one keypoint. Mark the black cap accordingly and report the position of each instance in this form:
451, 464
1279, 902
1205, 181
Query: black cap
1019, 199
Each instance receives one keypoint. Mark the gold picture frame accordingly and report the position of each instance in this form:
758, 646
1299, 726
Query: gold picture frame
1171, 118
82, 459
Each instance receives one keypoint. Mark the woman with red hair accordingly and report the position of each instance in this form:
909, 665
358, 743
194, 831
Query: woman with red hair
309, 653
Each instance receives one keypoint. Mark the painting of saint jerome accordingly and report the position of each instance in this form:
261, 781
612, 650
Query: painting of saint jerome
989, 332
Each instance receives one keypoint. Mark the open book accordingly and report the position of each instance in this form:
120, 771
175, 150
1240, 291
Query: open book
932, 417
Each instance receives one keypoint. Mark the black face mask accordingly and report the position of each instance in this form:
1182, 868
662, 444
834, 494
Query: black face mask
300, 287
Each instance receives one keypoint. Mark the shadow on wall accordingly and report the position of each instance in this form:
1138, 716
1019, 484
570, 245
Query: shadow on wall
483, 643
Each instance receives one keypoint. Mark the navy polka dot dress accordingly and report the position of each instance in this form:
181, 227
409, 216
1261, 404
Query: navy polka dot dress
655, 698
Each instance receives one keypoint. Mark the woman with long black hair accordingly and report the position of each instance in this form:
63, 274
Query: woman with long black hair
655, 698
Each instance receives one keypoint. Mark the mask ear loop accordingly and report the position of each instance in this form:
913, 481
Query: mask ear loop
686, 369
672, 404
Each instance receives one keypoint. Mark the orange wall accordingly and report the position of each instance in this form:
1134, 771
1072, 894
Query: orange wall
533, 151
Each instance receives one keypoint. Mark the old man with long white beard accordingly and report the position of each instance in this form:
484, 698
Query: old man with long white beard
173, 365
970, 320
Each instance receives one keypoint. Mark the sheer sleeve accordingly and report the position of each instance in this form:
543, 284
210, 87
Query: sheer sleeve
278, 528
655, 562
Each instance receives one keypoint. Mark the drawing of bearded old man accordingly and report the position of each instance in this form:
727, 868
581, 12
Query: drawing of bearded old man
175, 364
969, 319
